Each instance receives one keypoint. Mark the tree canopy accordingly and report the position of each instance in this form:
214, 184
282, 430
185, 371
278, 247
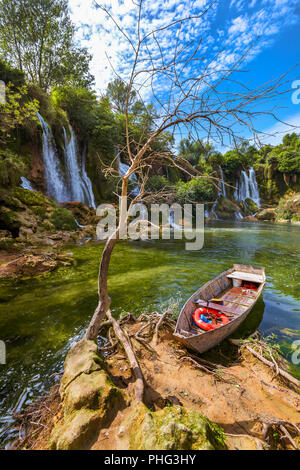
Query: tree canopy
37, 36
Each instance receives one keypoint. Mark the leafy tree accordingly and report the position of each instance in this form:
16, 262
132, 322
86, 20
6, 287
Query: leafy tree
117, 92
10, 74
37, 36
17, 111
289, 162
195, 190
192, 151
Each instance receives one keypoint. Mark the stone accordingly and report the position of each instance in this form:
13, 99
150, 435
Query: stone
173, 428
89, 398
76, 432
267, 214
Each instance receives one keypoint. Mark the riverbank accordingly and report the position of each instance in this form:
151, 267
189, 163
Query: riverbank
41, 317
190, 402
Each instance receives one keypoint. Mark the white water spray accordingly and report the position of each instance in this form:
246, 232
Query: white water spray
78, 182
123, 168
56, 186
247, 187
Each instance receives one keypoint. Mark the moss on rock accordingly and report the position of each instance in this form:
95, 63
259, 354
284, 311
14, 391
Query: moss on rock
289, 208
63, 219
174, 428
89, 398
226, 209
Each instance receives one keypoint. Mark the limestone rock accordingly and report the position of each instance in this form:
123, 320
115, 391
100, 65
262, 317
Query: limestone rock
267, 214
89, 398
173, 428
33, 264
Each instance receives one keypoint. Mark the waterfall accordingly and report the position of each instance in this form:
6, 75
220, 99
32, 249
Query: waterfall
222, 187
25, 184
78, 183
56, 186
221, 193
123, 168
76, 186
87, 182
247, 187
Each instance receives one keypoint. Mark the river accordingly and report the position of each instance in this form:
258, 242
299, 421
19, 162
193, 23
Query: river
40, 318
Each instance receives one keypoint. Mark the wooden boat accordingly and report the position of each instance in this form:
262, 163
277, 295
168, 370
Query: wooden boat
234, 301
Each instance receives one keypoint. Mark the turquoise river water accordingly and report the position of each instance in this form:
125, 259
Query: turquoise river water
40, 318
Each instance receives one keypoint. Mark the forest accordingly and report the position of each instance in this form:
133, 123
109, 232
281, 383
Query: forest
142, 343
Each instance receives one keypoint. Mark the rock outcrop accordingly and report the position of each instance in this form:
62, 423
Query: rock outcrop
28, 218
34, 264
89, 399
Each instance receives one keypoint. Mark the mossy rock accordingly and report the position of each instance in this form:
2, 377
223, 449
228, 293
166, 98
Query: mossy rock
89, 398
226, 209
250, 207
174, 428
32, 198
82, 358
267, 214
9, 245
76, 432
63, 219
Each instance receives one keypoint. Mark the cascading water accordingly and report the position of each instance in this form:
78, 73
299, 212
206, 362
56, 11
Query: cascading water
123, 168
221, 193
56, 186
87, 182
25, 184
247, 187
78, 183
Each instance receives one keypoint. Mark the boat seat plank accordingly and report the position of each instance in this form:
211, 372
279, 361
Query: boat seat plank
246, 276
238, 299
227, 309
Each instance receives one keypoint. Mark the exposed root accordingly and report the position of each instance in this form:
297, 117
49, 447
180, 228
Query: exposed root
125, 341
280, 428
213, 369
273, 364
36, 419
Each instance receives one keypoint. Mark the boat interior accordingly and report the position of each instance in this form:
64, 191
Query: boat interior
232, 293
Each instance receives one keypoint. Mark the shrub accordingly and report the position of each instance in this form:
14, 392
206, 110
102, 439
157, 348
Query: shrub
289, 162
157, 183
196, 190
12, 167
63, 219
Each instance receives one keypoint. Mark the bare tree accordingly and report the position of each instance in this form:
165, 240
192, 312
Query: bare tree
201, 97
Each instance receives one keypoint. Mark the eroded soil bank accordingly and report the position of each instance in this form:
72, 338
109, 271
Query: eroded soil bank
237, 405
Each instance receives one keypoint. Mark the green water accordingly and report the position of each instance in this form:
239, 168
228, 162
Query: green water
40, 318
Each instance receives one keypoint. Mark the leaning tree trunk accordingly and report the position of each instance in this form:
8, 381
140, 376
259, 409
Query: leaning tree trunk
104, 299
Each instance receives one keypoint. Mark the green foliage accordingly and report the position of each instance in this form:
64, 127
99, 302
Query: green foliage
117, 92
32, 198
196, 190
289, 162
12, 167
289, 208
63, 219
156, 183
37, 36
11, 75
18, 111
192, 151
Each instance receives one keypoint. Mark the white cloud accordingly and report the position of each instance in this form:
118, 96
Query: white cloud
274, 134
220, 49
239, 25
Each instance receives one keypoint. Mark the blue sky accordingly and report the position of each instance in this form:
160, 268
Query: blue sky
227, 31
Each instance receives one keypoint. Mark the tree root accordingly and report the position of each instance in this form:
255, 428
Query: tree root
125, 341
280, 427
273, 365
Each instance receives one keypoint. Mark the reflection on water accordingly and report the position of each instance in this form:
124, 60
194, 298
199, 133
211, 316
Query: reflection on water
40, 318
